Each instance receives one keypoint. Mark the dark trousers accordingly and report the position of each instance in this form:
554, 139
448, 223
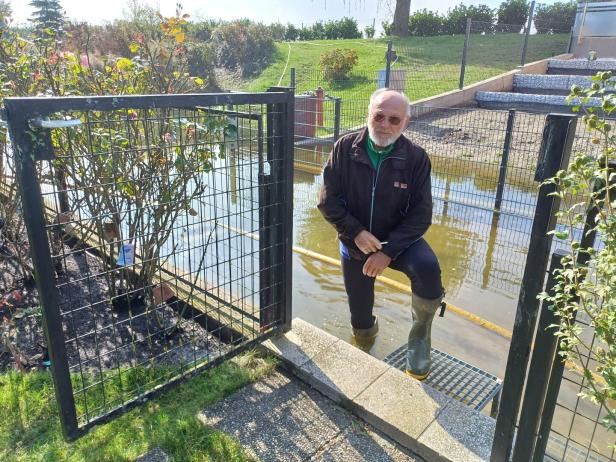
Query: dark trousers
418, 262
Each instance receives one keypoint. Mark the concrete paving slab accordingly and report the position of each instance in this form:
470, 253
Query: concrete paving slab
278, 419
341, 371
359, 443
400, 407
458, 434
300, 344
413, 414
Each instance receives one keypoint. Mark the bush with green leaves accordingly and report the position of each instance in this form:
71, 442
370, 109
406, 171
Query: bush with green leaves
246, 47
455, 21
102, 163
369, 32
587, 290
425, 23
557, 17
512, 12
338, 63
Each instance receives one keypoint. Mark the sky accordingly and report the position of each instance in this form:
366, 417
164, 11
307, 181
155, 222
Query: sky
295, 11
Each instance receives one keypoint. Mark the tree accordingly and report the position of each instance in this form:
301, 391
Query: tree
401, 18
424, 23
481, 15
512, 12
5, 9
48, 16
559, 16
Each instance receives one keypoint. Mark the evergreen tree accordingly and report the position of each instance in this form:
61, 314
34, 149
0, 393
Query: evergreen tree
48, 15
5, 9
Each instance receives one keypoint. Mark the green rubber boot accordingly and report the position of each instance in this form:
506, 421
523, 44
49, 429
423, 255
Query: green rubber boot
364, 338
418, 353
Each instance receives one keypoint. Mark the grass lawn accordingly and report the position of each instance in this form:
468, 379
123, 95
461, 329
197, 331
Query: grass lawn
30, 429
432, 65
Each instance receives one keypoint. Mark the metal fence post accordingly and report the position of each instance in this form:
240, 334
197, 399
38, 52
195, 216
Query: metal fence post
34, 218
558, 135
292, 84
527, 33
570, 44
337, 102
504, 160
558, 366
266, 225
280, 252
388, 65
288, 154
464, 52
539, 371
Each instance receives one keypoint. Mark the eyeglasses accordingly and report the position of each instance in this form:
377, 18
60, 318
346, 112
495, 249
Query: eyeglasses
393, 120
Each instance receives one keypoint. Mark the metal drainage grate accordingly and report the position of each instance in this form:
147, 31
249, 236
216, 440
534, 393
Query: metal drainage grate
457, 379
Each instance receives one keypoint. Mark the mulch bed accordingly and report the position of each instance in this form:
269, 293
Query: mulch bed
99, 334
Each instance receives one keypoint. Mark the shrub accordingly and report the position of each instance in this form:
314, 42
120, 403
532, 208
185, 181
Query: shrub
291, 33
277, 30
345, 28
424, 23
318, 31
388, 28
338, 63
455, 21
160, 65
369, 32
590, 184
512, 12
245, 47
559, 16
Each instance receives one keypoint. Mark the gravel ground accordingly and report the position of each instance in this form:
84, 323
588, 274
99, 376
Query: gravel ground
479, 135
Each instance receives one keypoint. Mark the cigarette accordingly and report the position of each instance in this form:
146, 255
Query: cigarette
384, 242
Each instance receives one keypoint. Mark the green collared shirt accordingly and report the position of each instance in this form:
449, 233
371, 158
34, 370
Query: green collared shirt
376, 156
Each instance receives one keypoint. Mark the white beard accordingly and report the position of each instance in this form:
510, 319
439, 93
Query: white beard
381, 140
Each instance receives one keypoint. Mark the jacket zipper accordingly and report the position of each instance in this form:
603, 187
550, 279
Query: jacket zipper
375, 180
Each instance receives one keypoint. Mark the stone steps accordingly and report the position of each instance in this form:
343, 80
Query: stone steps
580, 66
548, 93
528, 102
549, 84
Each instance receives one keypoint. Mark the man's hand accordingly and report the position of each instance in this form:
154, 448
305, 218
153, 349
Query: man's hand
367, 242
376, 264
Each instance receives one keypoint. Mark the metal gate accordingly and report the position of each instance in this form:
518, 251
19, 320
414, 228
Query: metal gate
160, 230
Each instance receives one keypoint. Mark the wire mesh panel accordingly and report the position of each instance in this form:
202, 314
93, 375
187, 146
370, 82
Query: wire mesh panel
426, 66
471, 156
352, 90
142, 213
576, 432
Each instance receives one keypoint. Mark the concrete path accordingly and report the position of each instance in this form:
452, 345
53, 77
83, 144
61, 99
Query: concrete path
281, 419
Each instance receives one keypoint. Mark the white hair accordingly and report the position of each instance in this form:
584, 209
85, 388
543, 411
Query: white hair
380, 91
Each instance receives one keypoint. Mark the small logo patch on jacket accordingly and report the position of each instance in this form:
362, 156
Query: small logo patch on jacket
397, 184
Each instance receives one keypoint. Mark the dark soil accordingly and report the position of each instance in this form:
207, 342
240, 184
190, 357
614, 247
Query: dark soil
98, 334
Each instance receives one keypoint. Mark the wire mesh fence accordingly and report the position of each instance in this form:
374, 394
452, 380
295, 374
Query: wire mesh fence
142, 215
576, 433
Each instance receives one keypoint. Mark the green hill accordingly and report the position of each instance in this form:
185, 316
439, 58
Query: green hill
432, 64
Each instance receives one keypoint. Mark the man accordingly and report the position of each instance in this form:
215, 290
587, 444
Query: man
376, 192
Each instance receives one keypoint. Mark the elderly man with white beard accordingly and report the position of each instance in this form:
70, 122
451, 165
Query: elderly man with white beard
376, 192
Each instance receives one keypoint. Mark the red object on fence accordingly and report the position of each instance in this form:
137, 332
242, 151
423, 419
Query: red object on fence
305, 116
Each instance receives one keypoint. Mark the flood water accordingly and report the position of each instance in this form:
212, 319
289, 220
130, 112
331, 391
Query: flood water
482, 257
